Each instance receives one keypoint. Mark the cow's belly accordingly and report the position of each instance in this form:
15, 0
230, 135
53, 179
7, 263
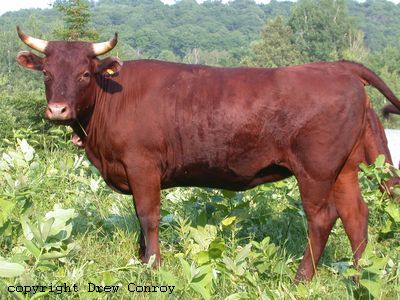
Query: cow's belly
224, 178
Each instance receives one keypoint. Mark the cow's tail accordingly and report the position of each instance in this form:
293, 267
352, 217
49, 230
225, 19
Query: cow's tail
389, 109
368, 77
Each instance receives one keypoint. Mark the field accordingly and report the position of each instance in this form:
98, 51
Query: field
62, 227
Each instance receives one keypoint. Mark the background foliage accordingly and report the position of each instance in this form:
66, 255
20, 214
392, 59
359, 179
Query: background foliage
216, 244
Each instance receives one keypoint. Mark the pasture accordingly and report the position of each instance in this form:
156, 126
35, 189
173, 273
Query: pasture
216, 244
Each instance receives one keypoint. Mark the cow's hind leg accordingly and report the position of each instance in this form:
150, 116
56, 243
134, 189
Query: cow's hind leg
352, 210
321, 215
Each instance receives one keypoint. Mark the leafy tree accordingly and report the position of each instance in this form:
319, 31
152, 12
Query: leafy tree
275, 48
380, 21
76, 19
321, 28
167, 55
388, 57
356, 50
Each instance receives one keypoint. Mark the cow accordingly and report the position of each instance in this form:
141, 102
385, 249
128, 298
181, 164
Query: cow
148, 125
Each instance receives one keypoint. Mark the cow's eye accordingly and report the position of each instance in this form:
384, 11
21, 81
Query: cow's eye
85, 76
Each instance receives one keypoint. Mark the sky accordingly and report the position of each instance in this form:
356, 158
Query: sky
12, 5
7, 5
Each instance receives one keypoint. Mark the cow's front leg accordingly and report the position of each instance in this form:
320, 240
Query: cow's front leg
145, 186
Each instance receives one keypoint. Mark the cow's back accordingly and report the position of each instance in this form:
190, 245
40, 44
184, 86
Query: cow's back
225, 127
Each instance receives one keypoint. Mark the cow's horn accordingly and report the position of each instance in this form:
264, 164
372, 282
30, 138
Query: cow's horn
34, 43
101, 48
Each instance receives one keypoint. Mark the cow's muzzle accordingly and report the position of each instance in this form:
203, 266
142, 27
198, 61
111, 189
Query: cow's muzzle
59, 112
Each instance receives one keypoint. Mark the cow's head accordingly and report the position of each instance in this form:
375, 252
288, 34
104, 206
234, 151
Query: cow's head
70, 70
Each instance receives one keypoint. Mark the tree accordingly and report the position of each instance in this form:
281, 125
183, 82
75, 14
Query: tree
76, 19
321, 28
388, 58
356, 50
275, 48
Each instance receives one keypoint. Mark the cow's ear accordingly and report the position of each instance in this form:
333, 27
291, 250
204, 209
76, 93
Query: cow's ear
109, 66
30, 60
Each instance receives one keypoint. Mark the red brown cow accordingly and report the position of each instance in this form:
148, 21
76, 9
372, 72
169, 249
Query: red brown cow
149, 125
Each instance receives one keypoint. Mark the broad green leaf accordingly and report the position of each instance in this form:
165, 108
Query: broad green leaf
380, 161
32, 248
171, 279
36, 233
364, 167
6, 208
302, 291
228, 221
186, 269
61, 217
46, 266
373, 287
378, 264
8, 269
202, 257
228, 194
54, 254
243, 253
200, 289
26, 149
229, 264
394, 211
26, 228
203, 236
262, 267
46, 227
238, 296
203, 275
216, 248
281, 268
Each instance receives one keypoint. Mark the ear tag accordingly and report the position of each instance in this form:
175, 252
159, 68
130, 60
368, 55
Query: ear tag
110, 72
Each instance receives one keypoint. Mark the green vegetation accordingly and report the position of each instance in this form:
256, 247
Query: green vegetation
77, 18
60, 223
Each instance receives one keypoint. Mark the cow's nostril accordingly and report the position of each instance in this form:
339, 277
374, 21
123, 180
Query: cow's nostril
63, 109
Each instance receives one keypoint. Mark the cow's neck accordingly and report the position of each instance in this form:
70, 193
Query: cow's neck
80, 126
93, 120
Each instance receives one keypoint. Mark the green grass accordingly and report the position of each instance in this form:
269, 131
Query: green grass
215, 244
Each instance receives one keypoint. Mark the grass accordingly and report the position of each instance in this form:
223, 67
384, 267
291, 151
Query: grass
215, 244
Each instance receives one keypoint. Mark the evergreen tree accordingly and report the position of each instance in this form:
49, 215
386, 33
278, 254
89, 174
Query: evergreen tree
76, 19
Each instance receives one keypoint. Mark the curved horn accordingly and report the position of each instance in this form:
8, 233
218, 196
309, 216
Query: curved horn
102, 48
34, 43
